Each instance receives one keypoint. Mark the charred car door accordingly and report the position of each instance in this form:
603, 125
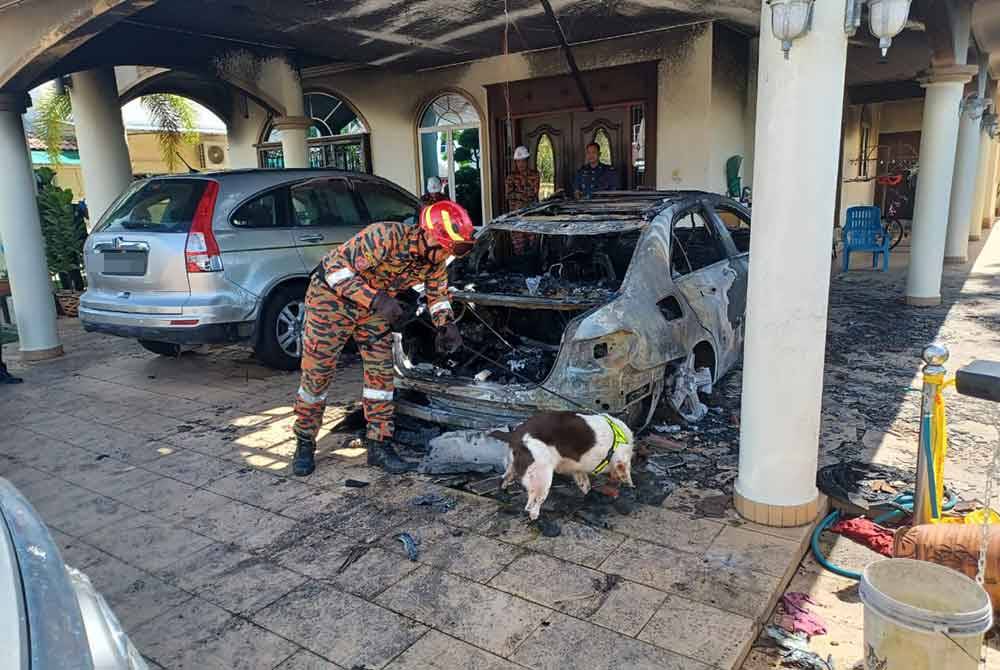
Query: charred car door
734, 223
706, 275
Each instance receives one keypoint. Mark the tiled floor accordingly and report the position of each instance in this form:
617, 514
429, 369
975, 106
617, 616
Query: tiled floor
167, 481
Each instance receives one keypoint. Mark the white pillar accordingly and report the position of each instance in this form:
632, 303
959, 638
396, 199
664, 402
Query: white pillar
283, 82
938, 142
100, 136
956, 246
799, 103
979, 198
294, 151
24, 249
989, 215
241, 132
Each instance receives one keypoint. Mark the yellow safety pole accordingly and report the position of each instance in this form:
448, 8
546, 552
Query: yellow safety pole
929, 494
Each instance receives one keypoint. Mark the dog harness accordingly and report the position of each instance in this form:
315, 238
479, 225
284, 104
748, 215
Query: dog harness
617, 440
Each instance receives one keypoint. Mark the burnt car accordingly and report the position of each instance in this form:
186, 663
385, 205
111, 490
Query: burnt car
613, 304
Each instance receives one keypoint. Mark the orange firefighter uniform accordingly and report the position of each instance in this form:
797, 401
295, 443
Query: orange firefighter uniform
384, 257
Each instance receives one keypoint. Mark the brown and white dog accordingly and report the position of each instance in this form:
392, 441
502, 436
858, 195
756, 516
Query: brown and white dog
570, 444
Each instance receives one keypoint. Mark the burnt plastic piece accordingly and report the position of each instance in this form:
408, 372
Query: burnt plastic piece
979, 379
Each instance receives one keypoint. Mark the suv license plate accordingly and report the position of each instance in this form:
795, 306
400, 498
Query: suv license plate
127, 263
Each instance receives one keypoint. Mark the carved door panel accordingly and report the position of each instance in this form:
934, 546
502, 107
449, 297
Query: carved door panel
610, 129
553, 135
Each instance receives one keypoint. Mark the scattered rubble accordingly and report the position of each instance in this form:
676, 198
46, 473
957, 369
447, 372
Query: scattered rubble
436, 502
410, 545
465, 451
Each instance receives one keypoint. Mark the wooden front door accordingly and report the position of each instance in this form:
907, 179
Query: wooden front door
568, 134
551, 109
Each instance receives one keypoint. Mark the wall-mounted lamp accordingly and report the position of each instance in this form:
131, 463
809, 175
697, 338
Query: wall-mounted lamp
886, 19
990, 124
790, 20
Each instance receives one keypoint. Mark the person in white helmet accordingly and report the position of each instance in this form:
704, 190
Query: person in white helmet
434, 192
521, 189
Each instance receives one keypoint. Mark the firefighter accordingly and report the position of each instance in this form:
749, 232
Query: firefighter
352, 294
434, 192
521, 189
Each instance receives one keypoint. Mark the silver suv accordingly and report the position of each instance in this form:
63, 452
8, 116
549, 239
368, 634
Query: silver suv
224, 257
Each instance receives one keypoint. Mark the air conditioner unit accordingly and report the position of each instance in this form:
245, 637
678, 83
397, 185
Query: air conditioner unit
212, 154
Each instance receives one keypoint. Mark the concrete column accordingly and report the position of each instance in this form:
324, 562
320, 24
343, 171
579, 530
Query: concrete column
989, 215
293, 140
956, 246
938, 142
22, 237
100, 136
799, 103
979, 197
281, 80
241, 132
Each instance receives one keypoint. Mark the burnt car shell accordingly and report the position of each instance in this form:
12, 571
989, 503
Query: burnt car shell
615, 339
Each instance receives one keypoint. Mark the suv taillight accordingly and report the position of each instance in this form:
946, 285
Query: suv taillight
201, 252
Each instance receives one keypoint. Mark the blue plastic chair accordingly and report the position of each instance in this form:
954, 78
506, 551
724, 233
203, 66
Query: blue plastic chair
863, 231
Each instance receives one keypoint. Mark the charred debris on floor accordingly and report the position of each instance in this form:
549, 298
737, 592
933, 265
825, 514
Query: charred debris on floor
699, 456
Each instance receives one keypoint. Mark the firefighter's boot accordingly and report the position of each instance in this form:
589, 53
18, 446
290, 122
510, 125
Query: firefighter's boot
304, 461
383, 454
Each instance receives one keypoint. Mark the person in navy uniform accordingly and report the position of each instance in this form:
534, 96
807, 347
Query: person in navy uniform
594, 175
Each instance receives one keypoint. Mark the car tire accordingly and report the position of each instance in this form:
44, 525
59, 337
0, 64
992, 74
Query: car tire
162, 348
280, 342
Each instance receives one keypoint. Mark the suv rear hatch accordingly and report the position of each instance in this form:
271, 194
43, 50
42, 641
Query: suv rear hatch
141, 251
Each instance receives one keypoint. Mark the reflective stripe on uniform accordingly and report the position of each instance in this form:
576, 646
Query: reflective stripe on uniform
337, 276
310, 398
440, 305
377, 394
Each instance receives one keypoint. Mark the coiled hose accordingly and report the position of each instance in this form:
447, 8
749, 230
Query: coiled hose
903, 504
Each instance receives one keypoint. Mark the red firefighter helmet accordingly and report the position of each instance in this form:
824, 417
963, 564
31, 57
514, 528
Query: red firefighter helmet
448, 223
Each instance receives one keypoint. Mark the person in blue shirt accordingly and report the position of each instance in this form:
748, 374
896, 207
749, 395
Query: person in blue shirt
594, 175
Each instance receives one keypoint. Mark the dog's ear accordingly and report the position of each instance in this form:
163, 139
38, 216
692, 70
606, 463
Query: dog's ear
501, 435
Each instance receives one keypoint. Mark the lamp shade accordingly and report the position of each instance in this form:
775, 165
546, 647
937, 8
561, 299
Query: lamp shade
790, 19
886, 18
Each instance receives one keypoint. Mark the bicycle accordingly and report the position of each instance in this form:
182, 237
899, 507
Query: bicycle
894, 227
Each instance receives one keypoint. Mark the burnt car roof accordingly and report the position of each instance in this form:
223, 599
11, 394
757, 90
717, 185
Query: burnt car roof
606, 212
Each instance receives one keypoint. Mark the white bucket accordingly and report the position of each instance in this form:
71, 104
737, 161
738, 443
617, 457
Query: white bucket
922, 616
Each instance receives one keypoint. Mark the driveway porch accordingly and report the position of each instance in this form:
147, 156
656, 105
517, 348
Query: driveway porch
167, 481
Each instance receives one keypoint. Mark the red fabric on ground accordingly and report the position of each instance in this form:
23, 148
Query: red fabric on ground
864, 531
797, 618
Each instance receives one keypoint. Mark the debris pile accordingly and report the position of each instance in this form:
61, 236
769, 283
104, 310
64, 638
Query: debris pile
542, 286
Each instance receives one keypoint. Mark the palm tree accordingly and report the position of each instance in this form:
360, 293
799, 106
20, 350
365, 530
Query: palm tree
171, 115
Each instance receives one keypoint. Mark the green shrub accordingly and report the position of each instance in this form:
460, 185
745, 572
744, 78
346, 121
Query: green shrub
64, 234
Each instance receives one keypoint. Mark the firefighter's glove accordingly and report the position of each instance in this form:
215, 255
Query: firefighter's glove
448, 339
387, 307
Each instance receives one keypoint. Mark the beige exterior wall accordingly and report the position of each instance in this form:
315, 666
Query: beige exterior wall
730, 66
689, 155
901, 116
144, 150
69, 176
854, 188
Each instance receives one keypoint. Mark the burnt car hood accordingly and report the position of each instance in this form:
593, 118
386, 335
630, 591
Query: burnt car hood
596, 224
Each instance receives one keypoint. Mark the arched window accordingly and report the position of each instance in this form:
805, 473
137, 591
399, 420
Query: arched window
450, 149
603, 140
337, 138
545, 163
